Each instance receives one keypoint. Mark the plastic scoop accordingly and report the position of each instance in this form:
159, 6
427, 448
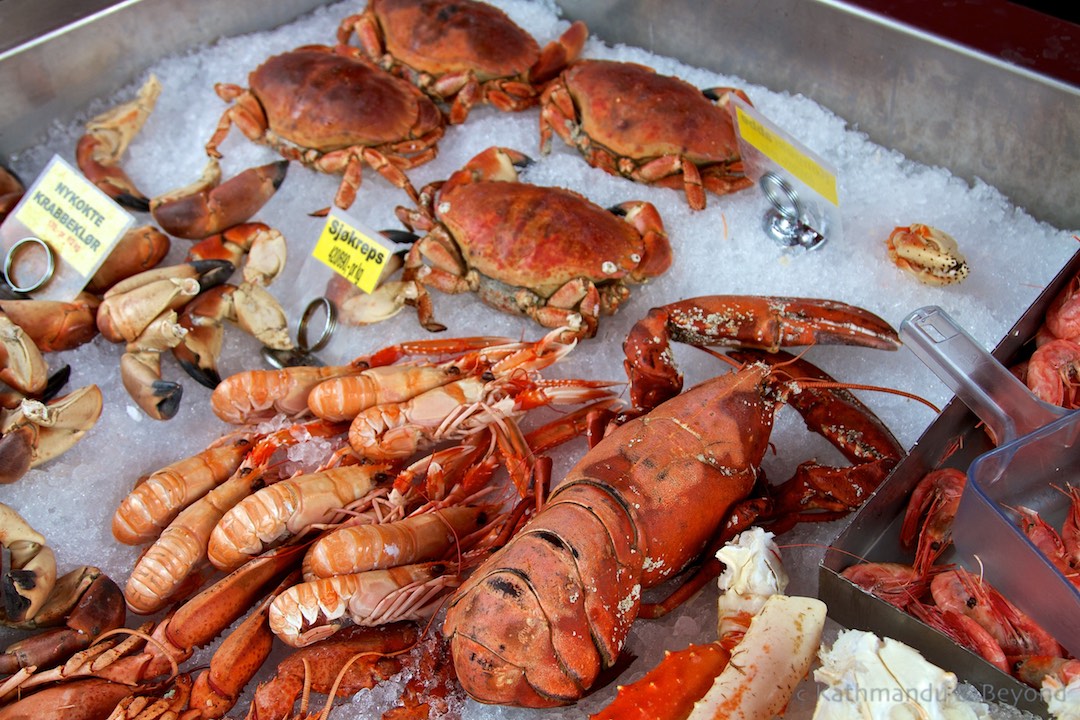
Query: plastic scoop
1037, 452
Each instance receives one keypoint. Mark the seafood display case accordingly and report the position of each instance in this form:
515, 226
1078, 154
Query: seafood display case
1008, 116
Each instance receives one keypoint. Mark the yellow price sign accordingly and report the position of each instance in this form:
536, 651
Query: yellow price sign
771, 143
75, 224
350, 250
69, 212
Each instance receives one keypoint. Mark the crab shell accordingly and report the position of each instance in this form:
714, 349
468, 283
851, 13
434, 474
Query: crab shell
540, 237
630, 120
326, 99
439, 37
461, 52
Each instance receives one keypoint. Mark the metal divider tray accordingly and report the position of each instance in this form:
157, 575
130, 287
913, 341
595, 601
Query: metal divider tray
954, 439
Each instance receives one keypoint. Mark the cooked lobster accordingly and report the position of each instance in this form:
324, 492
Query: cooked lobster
537, 623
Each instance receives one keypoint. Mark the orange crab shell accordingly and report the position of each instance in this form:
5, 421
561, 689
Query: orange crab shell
638, 113
448, 36
543, 237
328, 99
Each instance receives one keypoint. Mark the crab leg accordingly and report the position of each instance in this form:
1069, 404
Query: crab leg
753, 321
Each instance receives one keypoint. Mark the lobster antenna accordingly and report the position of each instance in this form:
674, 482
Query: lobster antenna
825, 384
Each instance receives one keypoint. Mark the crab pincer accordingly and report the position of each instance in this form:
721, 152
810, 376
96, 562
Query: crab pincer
210, 206
107, 137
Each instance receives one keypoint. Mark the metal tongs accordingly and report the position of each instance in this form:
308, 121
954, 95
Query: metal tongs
1036, 453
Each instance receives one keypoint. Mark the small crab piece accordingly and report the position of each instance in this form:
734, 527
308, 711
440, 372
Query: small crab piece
107, 138
333, 110
132, 304
209, 206
35, 432
248, 305
544, 252
21, 364
461, 52
55, 325
257, 248
929, 254
628, 120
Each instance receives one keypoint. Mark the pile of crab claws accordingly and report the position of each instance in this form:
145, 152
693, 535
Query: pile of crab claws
107, 137
129, 307
36, 432
209, 206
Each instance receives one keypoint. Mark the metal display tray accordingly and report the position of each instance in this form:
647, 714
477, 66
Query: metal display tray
1005, 113
954, 439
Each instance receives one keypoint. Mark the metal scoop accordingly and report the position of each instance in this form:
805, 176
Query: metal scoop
1037, 452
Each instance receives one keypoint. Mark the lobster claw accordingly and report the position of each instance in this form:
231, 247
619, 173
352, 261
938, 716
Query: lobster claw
761, 322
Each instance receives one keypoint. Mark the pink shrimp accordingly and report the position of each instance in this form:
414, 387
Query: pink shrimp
930, 513
1063, 315
1053, 373
970, 595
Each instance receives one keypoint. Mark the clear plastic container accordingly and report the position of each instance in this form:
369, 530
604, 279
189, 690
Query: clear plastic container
1037, 456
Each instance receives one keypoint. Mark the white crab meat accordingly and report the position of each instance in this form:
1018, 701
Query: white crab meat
752, 574
870, 678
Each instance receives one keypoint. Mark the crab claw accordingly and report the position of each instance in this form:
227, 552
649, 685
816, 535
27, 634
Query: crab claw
248, 305
40, 432
929, 254
263, 246
11, 191
106, 140
86, 602
140, 372
32, 575
559, 53
209, 206
131, 305
760, 322
356, 307
21, 363
54, 325
140, 249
